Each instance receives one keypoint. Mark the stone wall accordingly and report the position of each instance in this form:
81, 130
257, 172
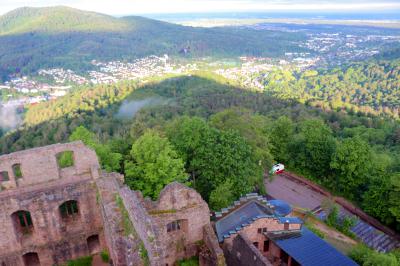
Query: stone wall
176, 203
52, 237
123, 248
39, 193
39, 165
143, 225
212, 255
241, 252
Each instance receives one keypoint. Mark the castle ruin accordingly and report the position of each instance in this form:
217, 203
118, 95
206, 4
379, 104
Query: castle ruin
56, 205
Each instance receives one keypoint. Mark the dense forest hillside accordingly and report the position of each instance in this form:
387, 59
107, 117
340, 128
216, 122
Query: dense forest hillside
32, 38
370, 87
194, 117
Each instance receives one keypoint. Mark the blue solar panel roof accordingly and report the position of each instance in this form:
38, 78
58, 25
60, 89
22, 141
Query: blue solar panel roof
281, 208
310, 250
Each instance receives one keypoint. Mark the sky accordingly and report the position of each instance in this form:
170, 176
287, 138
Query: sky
124, 7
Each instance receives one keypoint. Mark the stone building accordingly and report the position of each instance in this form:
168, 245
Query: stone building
254, 231
57, 205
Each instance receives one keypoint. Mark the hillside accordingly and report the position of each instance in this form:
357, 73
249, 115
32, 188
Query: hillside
313, 142
32, 38
56, 20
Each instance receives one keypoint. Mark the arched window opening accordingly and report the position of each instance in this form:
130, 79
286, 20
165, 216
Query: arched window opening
23, 222
31, 259
69, 209
17, 170
93, 243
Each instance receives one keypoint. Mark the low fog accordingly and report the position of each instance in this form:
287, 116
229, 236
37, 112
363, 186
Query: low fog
129, 109
9, 117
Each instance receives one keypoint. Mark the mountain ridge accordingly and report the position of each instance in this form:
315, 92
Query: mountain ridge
34, 38
57, 18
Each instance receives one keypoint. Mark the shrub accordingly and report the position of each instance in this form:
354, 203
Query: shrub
83, 261
105, 256
193, 261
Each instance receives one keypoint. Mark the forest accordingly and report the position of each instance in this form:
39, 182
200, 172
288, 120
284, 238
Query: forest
220, 139
369, 87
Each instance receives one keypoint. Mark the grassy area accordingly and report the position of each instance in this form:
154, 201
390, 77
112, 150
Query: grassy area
193, 261
105, 257
83, 261
315, 230
126, 222
340, 245
65, 159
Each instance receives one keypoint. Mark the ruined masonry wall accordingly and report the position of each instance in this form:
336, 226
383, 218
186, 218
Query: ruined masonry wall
143, 225
54, 239
123, 249
243, 253
39, 165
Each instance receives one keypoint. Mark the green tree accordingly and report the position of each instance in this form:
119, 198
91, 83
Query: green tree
394, 198
109, 160
153, 164
351, 164
214, 156
313, 146
251, 127
280, 135
376, 199
222, 196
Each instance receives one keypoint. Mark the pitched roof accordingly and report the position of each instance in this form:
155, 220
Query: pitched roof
310, 250
290, 220
281, 208
240, 218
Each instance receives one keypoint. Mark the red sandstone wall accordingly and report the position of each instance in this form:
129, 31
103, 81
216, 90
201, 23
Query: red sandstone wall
39, 165
41, 191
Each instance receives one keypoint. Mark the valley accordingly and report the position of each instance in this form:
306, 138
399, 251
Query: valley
213, 108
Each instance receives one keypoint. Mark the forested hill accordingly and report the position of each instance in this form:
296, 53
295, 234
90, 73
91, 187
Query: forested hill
56, 20
226, 137
32, 38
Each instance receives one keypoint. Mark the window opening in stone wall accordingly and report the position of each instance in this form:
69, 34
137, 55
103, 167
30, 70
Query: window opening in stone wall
17, 170
4, 176
174, 226
23, 221
93, 243
65, 159
69, 209
266, 245
255, 244
31, 259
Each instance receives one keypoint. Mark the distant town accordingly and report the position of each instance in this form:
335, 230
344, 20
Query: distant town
325, 48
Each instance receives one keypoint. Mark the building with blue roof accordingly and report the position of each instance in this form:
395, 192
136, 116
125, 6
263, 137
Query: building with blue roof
254, 231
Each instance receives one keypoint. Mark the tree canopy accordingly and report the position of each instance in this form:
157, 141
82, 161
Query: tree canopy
153, 164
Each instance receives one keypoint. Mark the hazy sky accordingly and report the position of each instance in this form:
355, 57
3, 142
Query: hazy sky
118, 7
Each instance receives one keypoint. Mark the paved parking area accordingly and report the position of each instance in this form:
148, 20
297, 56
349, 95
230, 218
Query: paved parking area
293, 193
